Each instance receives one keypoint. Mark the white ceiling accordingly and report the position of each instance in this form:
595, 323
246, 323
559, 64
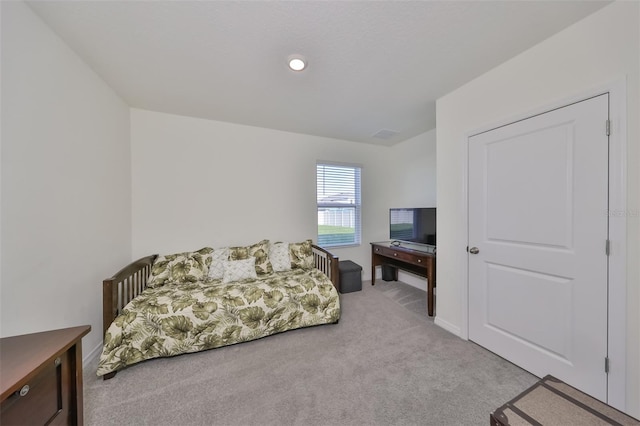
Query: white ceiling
373, 65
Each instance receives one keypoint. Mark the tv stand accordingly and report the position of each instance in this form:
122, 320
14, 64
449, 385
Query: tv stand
411, 258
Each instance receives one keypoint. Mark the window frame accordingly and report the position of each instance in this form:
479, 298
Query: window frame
356, 205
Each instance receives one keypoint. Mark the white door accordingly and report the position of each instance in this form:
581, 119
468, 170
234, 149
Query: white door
538, 195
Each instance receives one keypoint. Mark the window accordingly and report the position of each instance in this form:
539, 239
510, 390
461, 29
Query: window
338, 197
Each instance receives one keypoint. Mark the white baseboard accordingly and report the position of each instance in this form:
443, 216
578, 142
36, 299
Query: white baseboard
91, 355
408, 278
413, 280
453, 329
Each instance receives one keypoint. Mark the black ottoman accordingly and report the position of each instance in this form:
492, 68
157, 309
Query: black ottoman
350, 276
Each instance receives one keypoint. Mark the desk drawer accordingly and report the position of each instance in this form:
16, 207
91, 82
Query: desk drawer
413, 258
40, 401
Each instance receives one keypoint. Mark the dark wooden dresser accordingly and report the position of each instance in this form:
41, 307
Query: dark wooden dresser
41, 378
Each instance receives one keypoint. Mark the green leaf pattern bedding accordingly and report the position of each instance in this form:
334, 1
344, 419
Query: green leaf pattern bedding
181, 318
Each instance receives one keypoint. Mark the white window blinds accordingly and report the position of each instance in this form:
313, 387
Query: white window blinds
338, 198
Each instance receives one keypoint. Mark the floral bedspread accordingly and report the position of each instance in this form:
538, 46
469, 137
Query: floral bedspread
181, 318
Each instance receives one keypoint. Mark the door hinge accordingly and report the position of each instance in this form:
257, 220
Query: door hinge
608, 127
607, 247
606, 364
467, 249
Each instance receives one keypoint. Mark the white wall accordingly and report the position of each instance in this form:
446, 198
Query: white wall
411, 174
596, 51
411, 182
202, 183
66, 221
69, 175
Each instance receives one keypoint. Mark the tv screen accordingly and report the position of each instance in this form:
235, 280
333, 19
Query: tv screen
416, 225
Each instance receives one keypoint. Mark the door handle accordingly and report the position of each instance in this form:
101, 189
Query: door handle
474, 250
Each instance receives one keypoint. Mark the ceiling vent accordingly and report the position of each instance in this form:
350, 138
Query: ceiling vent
385, 134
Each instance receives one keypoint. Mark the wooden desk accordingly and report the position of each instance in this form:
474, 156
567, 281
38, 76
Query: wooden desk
41, 378
417, 261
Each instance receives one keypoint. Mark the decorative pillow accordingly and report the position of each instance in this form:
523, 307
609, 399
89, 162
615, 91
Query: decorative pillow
237, 270
180, 267
216, 270
261, 253
279, 257
301, 255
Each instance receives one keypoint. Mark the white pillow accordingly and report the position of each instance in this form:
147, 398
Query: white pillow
216, 270
237, 270
279, 257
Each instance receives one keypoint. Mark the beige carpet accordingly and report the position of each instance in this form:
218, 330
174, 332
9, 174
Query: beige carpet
384, 363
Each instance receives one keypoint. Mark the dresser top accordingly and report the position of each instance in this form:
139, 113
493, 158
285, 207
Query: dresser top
21, 356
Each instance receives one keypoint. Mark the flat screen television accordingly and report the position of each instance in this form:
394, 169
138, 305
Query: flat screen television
415, 225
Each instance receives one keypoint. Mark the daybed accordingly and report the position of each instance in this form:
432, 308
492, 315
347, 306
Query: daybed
161, 306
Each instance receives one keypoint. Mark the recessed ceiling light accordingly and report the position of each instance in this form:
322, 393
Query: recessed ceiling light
297, 63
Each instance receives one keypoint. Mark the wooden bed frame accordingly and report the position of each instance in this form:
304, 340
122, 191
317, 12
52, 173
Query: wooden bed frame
131, 280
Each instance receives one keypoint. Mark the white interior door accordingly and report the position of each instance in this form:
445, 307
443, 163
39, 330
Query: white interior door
538, 197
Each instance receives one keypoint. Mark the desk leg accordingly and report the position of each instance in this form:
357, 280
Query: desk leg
375, 261
430, 285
